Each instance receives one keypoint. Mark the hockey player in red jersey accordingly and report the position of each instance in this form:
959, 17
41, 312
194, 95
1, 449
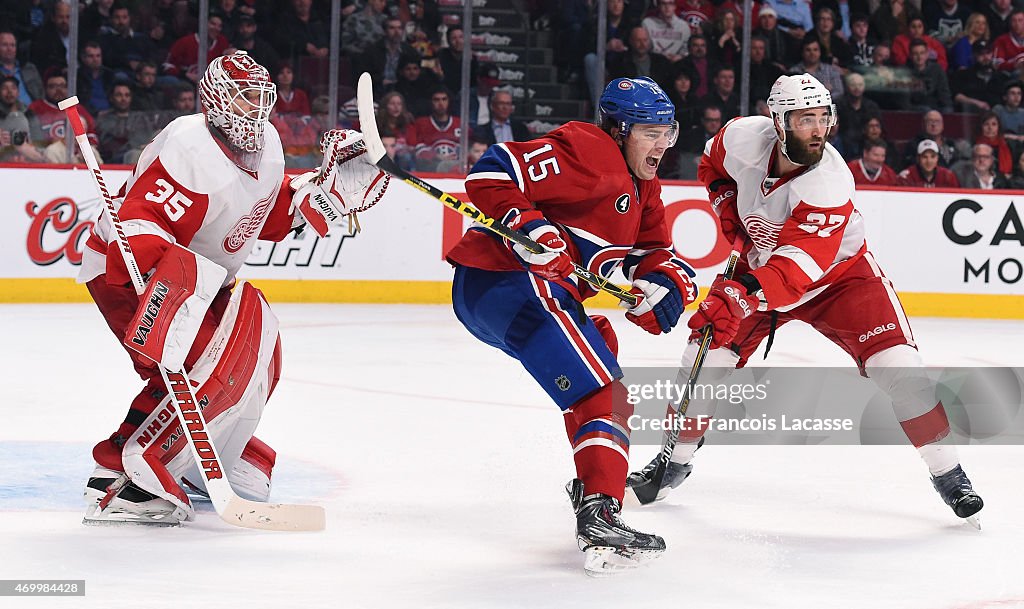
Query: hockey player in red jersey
778, 181
204, 190
588, 194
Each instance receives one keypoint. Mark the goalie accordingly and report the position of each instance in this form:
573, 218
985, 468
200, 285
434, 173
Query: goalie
204, 190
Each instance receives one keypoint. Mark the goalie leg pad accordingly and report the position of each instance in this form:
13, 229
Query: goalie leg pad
235, 375
251, 476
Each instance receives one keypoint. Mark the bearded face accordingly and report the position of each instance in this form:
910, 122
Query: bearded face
806, 151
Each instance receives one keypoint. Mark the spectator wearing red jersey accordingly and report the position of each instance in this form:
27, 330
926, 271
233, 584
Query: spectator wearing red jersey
698, 14
926, 172
435, 138
990, 131
52, 119
1008, 49
915, 31
290, 100
870, 169
183, 58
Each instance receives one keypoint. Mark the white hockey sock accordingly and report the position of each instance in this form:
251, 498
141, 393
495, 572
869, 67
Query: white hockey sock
683, 452
940, 458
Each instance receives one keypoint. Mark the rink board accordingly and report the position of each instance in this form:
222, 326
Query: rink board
951, 254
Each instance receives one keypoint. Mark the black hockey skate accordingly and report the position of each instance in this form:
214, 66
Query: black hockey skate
639, 483
610, 545
114, 499
955, 489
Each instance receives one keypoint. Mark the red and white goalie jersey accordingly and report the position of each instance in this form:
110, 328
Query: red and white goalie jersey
804, 230
186, 190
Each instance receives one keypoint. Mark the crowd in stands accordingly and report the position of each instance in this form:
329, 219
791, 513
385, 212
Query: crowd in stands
935, 63
953, 67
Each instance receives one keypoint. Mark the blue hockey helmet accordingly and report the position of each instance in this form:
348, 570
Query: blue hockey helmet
631, 101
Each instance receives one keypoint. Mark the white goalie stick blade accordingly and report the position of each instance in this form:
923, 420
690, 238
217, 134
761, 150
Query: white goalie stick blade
268, 516
368, 120
602, 561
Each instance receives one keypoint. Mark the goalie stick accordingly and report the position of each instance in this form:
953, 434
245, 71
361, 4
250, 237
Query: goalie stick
647, 491
230, 507
378, 155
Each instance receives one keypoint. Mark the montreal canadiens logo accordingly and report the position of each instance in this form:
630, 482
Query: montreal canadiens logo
625, 85
622, 203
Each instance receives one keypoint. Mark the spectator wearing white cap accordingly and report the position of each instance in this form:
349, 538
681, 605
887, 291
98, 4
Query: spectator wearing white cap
926, 172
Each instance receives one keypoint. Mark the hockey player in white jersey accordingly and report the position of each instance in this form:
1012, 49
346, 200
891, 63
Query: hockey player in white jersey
778, 181
204, 190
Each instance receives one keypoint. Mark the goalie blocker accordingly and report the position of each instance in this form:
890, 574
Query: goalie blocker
230, 344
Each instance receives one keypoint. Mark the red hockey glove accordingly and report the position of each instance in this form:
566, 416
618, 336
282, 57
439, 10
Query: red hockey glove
722, 196
663, 295
553, 263
726, 305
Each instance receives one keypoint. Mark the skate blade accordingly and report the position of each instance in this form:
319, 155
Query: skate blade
603, 561
92, 522
974, 521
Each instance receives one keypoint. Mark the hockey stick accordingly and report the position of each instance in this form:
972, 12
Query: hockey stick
230, 507
647, 491
378, 155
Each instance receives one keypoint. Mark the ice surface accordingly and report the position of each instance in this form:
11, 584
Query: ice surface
441, 467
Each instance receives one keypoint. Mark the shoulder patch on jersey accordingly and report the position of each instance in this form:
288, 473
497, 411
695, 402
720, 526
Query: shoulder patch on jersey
622, 203
187, 141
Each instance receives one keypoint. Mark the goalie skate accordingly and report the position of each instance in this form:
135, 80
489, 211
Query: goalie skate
114, 500
957, 492
608, 543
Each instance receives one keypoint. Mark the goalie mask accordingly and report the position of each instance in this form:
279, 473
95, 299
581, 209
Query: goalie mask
798, 92
237, 96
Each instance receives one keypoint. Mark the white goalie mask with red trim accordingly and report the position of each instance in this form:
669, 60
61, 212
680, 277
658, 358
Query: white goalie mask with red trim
237, 97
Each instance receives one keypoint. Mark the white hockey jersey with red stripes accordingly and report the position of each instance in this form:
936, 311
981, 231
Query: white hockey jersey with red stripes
804, 229
185, 189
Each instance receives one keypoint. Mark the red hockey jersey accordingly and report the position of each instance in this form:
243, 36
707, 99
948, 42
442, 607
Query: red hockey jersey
804, 230
577, 177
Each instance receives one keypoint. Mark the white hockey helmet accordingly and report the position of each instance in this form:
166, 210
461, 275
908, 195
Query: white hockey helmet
797, 93
237, 96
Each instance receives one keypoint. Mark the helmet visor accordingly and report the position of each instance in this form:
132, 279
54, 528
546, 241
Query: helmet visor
658, 134
797, 120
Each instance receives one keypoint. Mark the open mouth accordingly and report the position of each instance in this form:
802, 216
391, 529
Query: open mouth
652, 161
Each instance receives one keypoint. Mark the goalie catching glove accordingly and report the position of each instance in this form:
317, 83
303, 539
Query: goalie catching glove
553, 263
347, 182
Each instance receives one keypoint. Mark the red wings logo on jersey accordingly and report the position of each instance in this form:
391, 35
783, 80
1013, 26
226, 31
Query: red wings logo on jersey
764, 233
248, 225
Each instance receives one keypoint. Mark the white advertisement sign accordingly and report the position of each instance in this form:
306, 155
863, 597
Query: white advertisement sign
929, 242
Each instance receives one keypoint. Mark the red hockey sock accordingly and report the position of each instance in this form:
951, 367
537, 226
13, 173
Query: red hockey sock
599, 433
108, 452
